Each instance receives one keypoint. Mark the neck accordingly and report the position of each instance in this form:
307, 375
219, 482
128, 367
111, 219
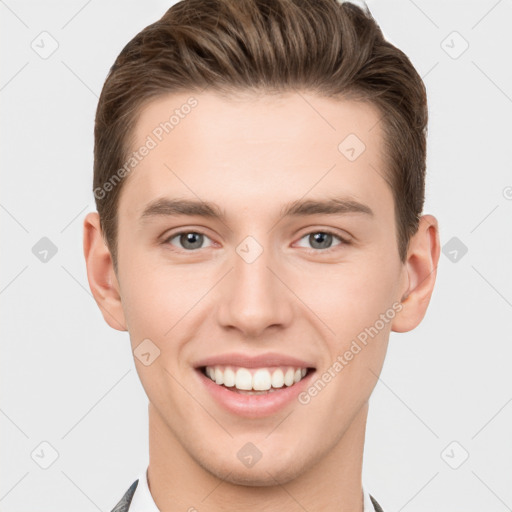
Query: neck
331, 484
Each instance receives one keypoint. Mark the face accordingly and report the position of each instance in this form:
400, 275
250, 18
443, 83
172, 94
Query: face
276, 264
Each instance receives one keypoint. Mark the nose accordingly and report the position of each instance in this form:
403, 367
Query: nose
253, 297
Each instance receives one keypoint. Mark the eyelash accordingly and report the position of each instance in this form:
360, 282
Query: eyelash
317, 251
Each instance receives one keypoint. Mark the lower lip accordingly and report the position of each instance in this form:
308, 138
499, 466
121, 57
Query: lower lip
254, 406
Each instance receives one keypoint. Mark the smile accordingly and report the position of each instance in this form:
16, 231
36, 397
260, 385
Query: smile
253, 386
254, 381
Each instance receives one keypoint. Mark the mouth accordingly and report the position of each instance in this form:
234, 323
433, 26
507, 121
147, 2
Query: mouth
255, 381
254, 388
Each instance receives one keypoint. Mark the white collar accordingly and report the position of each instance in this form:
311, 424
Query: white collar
142, 500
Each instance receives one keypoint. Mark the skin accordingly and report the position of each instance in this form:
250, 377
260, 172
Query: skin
252, 156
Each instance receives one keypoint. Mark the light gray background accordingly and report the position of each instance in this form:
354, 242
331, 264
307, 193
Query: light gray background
69, 380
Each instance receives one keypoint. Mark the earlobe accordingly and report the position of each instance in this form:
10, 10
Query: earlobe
421, 268
100, 273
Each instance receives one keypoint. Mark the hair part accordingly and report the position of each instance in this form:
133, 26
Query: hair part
235, 47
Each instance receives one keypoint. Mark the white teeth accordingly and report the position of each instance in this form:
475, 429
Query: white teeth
243, 379
261, 380
255, 381
229, 378
288, 376
219, 376
278, 378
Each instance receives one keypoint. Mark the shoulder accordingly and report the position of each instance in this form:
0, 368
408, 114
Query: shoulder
124, 503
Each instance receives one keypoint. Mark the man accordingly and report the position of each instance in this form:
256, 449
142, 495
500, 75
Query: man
260, 177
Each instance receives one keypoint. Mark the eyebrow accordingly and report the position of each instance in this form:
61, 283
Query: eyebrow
299, 208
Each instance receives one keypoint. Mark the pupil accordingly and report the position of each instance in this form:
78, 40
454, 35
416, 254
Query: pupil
323, 239
191, 240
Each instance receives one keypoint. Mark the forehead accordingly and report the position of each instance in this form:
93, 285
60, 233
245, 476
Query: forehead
273, 147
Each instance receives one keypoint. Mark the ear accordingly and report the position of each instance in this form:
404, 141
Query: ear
421, 270
100, 273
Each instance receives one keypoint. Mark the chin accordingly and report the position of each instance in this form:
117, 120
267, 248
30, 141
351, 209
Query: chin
263, 474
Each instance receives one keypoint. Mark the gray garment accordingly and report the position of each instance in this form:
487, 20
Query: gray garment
376, 506
124, 504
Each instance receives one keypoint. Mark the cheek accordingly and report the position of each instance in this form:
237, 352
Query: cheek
154, 308
153, 297
350, 299
358, 289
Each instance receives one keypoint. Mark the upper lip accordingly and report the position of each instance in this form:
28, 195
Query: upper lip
258, 361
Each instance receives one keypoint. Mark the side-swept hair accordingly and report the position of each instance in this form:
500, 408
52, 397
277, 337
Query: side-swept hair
326, 47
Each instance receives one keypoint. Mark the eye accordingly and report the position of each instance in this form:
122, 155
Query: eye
189, 240
322, 240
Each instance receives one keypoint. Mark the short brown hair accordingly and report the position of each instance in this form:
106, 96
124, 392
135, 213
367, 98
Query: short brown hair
327, 47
